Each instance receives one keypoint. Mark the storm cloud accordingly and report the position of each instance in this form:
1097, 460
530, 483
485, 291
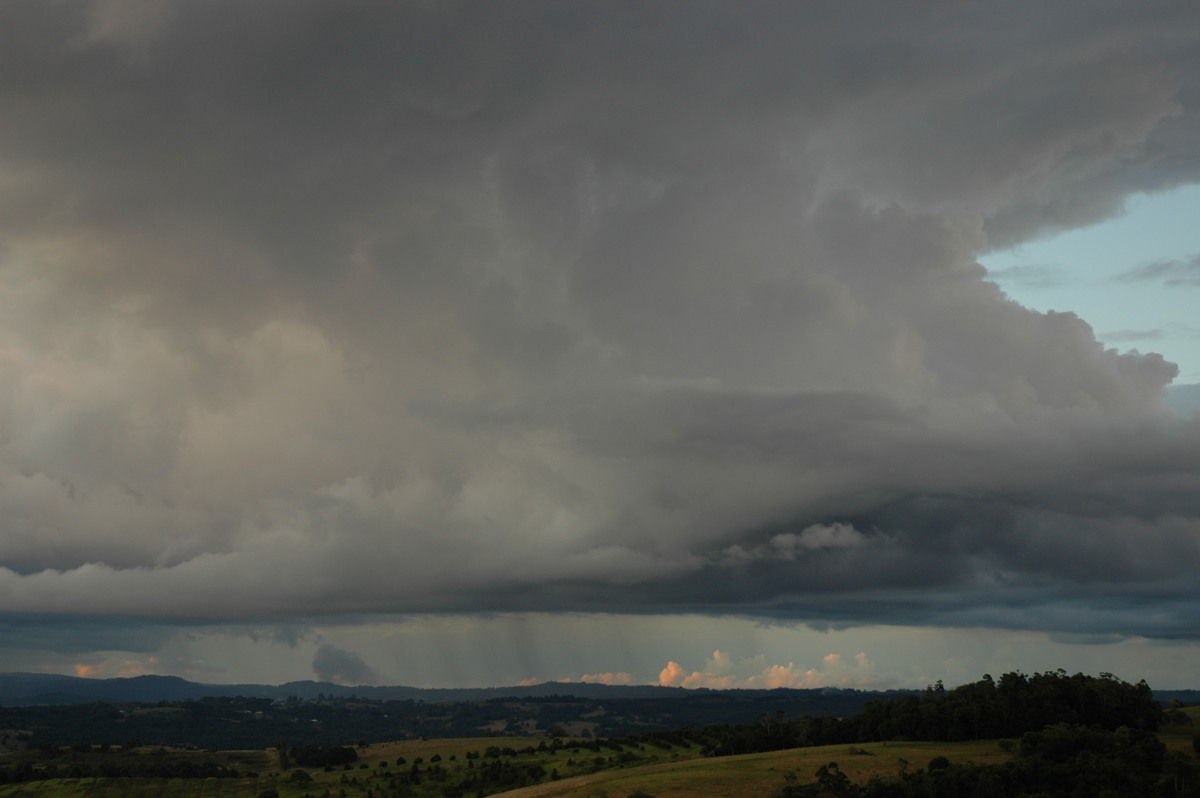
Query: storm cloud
333, 664
314, 307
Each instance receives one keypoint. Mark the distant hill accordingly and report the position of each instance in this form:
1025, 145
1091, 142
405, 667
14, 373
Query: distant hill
1188, 698
27, 689
23, 689
175, 712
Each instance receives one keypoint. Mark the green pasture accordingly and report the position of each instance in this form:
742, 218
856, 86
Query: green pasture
760, 775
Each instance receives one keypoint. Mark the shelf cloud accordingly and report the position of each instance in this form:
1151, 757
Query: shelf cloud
314, 308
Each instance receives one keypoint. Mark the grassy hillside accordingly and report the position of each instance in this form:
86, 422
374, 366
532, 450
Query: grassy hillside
759, 775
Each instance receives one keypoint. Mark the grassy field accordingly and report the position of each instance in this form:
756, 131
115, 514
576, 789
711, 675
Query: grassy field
749, 776
760, 775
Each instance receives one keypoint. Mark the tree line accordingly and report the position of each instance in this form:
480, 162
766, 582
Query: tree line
1065, 759
84, 761
982, 710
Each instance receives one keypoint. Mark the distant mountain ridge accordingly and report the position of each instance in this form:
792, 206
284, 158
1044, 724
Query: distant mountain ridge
67, 710
19, 689
25, 689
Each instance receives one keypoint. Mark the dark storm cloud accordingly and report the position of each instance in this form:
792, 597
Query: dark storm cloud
76, 634
333, 308
333, 664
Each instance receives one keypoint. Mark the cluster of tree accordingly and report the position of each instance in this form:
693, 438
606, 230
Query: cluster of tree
1017, 703
482, 774
317, 756
554, 745
85, 761
1061, 760
500, 776
145, 767
486, 778
775, 734
981, 710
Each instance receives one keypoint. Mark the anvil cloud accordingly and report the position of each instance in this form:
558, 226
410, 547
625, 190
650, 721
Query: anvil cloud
315, 308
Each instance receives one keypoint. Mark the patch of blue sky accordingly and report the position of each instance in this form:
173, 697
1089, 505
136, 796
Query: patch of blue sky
1135, 278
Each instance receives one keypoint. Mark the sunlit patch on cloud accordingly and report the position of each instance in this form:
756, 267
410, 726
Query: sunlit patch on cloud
606, 678
131, 668
789, 546
724, 672
818, 536
112, 665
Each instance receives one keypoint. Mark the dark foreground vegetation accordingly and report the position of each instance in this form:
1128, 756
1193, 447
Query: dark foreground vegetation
1077, 736
83, 761
1061, 760
982, 710
1065, 735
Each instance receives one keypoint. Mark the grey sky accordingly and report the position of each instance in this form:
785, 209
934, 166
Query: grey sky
314, 309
